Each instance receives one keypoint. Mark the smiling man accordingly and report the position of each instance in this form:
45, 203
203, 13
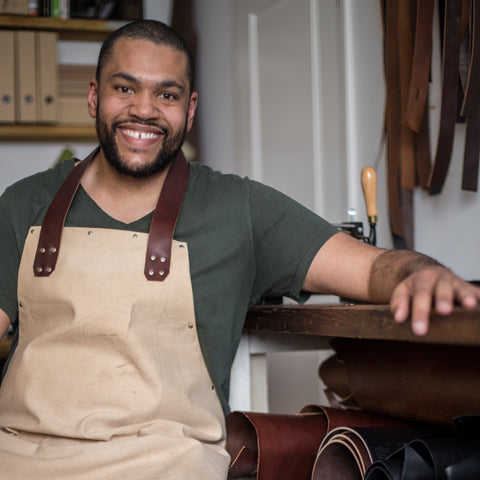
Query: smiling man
127, 277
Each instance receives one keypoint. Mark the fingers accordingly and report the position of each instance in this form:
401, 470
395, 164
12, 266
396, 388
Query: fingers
436, 288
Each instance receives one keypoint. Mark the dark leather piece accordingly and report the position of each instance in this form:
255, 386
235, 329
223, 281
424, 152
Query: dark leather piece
450, 81
161, 229
282, 447
468, 469
349, 452
471, 154
415, 109
416, 382
424, 459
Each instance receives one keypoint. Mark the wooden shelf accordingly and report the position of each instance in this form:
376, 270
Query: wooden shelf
71, 28
47, 133
462, 327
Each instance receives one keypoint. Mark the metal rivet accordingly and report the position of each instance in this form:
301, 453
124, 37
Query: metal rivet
181, 246
190, 325
20, 304
32, 230
90, 232
42, 250
49, 269
153, 258
163, 259
151, 272
134, 235
161, 273
39, 269
53, 249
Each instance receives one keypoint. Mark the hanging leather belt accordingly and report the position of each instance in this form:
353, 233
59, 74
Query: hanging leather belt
448, 115
470, 105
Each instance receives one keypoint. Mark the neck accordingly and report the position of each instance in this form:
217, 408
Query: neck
122, 197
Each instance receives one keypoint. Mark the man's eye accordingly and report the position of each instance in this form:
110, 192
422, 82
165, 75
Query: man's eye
124, 89
168, 96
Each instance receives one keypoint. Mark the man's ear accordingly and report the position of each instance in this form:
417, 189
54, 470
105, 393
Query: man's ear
92, 97
192, 106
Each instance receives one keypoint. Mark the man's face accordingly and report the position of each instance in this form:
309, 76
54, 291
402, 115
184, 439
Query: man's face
142, 106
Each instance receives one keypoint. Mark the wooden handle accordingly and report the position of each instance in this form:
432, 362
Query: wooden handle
369, 187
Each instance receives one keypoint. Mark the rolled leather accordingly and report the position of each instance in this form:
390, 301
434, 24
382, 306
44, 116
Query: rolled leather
416, 382
427, 459
347, 453
284, 447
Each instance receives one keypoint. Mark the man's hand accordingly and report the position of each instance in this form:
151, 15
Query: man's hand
412, 283
433, 287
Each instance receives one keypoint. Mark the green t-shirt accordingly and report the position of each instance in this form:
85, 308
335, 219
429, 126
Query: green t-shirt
246, 241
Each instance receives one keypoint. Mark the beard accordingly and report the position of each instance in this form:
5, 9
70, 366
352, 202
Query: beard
171, 145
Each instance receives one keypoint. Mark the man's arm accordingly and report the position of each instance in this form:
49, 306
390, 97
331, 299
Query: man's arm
4, 322
409, 281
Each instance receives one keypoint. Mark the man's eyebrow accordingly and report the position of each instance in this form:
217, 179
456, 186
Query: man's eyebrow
159, 85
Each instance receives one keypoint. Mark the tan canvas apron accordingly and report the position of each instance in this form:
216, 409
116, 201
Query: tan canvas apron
108, 379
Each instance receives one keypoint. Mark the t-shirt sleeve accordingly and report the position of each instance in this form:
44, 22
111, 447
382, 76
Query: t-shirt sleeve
286, 238
9, 259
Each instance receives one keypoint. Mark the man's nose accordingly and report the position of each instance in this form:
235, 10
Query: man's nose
143, 106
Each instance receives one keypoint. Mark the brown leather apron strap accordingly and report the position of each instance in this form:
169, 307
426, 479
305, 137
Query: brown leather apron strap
159, 248
157, 263
52, 226
450, 61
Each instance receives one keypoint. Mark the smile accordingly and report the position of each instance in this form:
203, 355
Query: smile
141, 135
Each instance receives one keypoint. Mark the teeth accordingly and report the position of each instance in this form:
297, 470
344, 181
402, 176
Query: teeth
142, 135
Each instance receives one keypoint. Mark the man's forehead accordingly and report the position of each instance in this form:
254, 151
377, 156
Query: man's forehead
127, 45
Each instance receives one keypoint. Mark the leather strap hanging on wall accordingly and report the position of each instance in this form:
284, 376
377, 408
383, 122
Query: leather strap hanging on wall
408, 46
452, 33
471, 99
408, 30
393, 125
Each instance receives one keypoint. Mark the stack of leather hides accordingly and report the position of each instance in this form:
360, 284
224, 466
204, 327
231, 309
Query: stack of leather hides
324, 443
401, 411
274, 446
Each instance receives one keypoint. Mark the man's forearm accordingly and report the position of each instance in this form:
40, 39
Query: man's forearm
390, 268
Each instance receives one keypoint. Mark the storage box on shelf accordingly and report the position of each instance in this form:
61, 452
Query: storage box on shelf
42, 122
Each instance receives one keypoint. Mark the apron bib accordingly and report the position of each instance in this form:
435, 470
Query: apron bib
108, 380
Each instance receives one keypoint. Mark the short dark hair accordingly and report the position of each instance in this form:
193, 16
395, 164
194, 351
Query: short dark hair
152, 30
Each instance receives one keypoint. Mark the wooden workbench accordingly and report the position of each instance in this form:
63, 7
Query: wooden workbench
462, 327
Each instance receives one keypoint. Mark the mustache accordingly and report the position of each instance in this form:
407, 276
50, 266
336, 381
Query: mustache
145, 123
